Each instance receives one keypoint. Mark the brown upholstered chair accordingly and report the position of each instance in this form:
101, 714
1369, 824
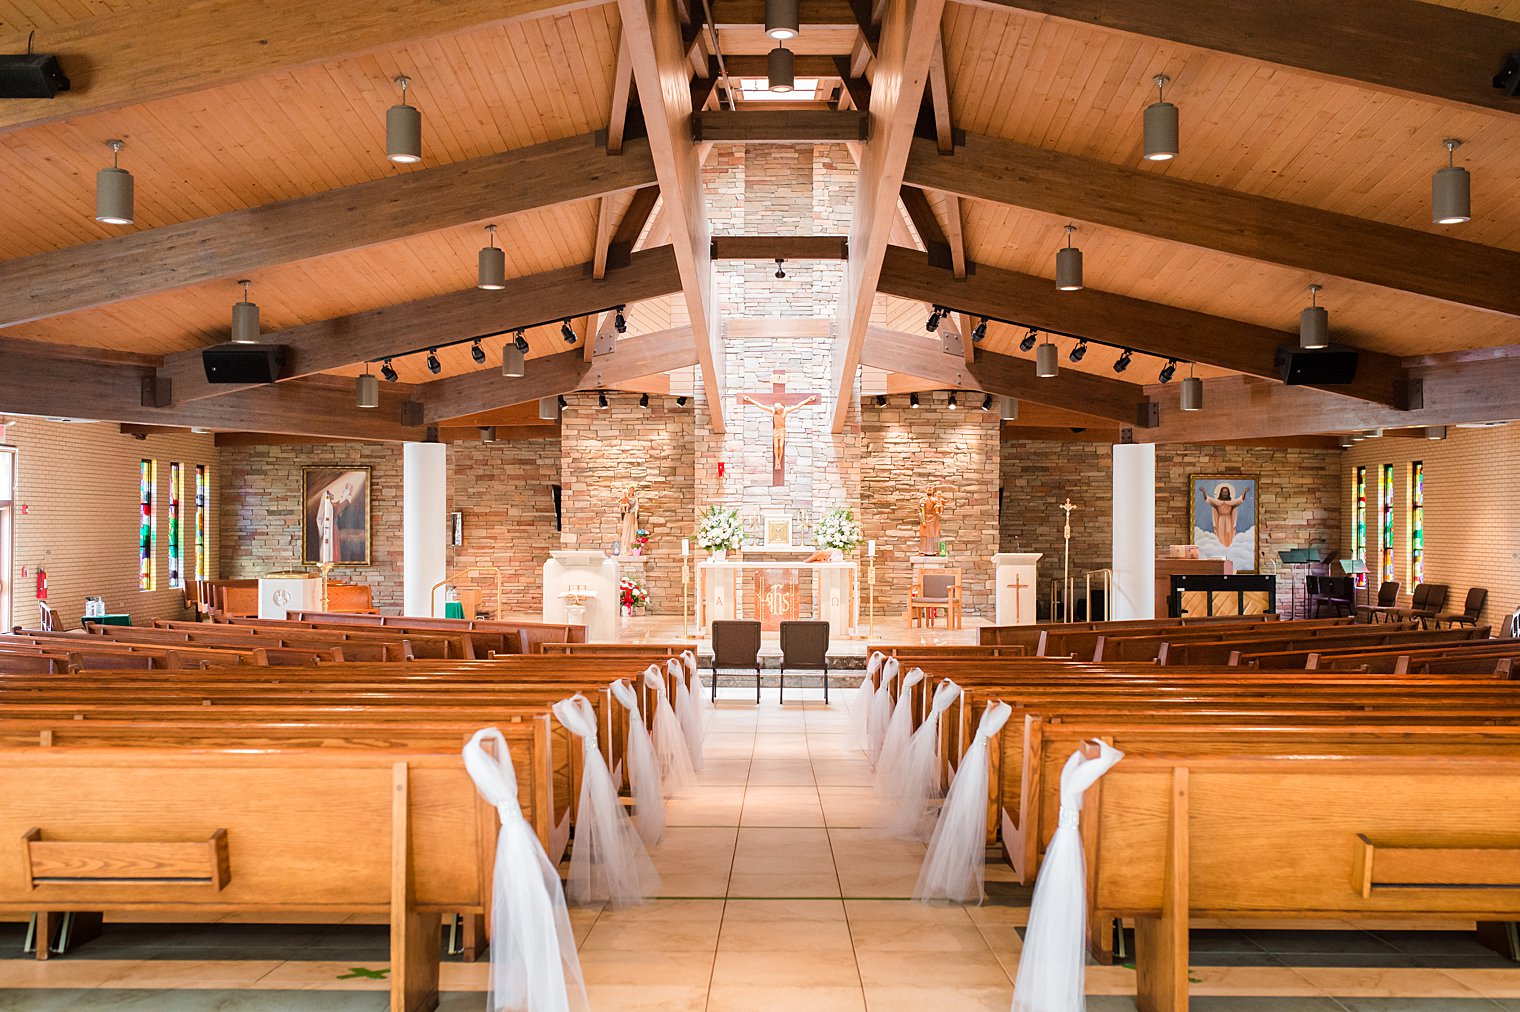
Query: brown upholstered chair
939, 590
736, 644
1435, 600
1387, 600
1472, 607
805, 645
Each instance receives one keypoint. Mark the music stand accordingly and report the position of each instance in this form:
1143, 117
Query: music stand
1295, 557
1358, 567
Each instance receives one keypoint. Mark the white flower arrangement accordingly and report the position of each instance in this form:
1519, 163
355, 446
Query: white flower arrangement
838, 529
719, 530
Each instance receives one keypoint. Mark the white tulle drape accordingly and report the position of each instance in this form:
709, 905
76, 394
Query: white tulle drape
688, 712
676, 772
955, 866
704, 698
920, 775
881, 709
894, 744
643, 768
534, 967
860, 706
1052, 966
608, 861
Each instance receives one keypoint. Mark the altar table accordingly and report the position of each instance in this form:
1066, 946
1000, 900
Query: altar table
836, 592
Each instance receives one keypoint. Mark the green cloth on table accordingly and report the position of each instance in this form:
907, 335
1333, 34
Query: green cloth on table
453, 609
108, 619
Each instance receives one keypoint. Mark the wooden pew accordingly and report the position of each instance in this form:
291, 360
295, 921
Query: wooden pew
1028, 636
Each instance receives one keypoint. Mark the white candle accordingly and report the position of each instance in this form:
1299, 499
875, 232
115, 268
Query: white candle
871, 549
686, 546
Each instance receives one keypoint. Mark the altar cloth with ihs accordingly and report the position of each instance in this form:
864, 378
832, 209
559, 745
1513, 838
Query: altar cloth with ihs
771, 592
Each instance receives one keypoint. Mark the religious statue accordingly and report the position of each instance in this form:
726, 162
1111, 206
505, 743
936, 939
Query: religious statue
1224, 508
779, 412
628, 530
930, 512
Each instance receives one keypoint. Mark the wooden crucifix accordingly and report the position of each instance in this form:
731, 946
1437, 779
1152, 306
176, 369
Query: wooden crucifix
779, 404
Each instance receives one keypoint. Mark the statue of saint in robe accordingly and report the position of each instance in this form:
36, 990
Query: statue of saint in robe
628, 528
930, 511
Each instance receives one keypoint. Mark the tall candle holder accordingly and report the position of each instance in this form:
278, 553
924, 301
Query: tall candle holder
326, 568
685, 596
870, 597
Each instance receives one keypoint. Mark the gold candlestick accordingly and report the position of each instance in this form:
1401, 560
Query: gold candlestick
685, 596
1066, 585
871, 597
326, 568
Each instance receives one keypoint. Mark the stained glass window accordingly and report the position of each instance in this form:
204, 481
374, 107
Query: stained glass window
1417, 522
202, 518
147, 480
1386, 501
176, 493
1359, 523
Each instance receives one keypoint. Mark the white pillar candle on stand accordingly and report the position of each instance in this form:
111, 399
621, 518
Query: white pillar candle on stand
871, 549
1134, 518
424, 531
685, 547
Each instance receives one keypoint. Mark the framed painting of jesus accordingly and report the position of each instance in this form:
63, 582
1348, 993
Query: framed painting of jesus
335, 517
1223, 513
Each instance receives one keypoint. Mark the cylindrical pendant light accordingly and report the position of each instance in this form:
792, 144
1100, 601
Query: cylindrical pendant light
488, 433
1069, 265
492, 273
1435, 432
1451, 190
781, 20
113, 190
1010, 409
245, 319
1314, 323
548, 408
367, 389
779, 68
403, 129
1161, 142
1192, 392
1047, 360
513, 365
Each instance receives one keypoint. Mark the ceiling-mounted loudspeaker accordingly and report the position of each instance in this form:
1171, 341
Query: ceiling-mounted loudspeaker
1319, 367
31, 75
1507, 79
243, 363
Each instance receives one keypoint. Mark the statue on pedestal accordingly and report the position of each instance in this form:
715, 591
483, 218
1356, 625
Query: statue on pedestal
628, 529
930, 512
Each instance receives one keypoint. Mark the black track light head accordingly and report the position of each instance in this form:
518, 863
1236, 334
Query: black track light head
601, 400
952, 403
521, 340
567, 332
1078, 353
681, 402
934, 317
979, 331
560, 400
1168, 371
987, 403
913, 400
780, 271
1122, 362
434, 366
477, 352
388, 371
620, 322
643, 400
1029, 339
881, 400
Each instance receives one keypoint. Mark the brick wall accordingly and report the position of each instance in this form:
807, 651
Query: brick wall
505, 491
1472, 523
79, 486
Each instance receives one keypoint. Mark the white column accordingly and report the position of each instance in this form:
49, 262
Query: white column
423, 525
1134, 560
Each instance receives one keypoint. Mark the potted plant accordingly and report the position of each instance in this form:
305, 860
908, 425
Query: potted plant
632, 596
640, 539
838, 529
719, 531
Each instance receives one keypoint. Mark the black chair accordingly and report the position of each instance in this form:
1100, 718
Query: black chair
1472, 607
1338, 593
1419, 602
736, 644
1387, 599
805, 645
1435, 600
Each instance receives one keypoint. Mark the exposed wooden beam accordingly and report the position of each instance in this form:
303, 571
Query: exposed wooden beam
815, 126
1002, 374
803, 65
955, 235
909, 36
939, 101
1240, 224
165, 50
787, 247
1401, 46
603, 238
622, 94
1118, 319
238, 243
653, 30
925, 223
855, 85
632, 225
748, 13
392, 330
557, 374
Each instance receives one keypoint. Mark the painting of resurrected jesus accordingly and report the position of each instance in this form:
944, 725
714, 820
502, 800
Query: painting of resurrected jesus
1224, 519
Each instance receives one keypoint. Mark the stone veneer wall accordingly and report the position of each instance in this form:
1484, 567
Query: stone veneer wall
505, 491
602, 453
1300, 498
904, 453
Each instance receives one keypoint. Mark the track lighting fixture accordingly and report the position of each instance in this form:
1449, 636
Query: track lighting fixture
567, 332
951, 402
434, 366
1451, 190
881, 400
681, 401
780, 70
1047, 360
492, 271
1078, 353
1069, 265
1168, 371
987, 403
601, 400
1314, 323
1027, 344
562, 402
245, 318
113, 190
1122, 362
520, 341
488, 433
388, 371
477, 352
979, 332
513, 364
781, 19
403, 129
1192, 392
913, 400
1160, 125
935, 314
643, 400
780, 272
367, 389
619, 321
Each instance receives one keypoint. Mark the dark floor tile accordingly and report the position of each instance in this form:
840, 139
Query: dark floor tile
1418, 1004
1432, 942
1256, 958
1216, 940
1369, 960
1288, 943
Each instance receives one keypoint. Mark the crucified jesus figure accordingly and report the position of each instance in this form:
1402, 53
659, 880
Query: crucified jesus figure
779, 413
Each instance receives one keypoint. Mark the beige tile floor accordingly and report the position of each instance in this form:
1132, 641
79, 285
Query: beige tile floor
778, 895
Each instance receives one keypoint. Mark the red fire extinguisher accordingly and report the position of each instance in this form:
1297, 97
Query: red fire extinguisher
41, 584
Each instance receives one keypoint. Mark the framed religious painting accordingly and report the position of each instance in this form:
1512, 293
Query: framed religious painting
335, 515
1223, 518
778, 529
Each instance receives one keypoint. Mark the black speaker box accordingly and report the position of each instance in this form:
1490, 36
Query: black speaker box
1316, 367
243, 363
31, 76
